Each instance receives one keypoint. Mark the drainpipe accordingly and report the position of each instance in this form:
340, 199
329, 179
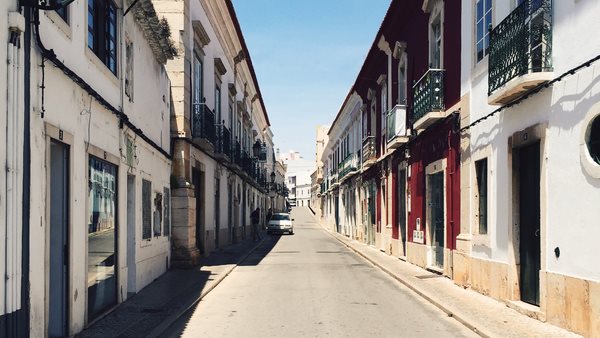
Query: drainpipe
451, 172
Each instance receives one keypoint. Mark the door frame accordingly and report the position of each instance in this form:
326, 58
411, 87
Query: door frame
55, 134
519, 139
435, 167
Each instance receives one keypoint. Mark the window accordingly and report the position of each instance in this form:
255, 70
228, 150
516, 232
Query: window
146, 209
102, 31
483, 23
64, 13
384, 105
157, 217
435, 40
218, 102
402, 80
593, 139
129, 70
482, 193
197, 80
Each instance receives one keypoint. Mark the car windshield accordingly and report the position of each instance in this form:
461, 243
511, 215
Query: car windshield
280, 217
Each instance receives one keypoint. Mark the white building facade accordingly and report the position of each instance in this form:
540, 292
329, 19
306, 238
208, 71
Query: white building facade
91, 154
342, 160
530, 168
221, 133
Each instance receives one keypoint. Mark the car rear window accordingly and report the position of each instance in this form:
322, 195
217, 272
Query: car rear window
278, 217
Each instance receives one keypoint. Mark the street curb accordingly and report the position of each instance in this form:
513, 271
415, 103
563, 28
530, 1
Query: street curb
159, 330
446, 309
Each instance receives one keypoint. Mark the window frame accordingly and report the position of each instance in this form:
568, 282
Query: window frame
98, 21
485, 28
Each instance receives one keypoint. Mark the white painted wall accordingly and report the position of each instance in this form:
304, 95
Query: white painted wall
72, 110
572, 193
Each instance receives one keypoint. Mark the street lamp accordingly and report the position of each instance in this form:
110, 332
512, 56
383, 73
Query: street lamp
272, 177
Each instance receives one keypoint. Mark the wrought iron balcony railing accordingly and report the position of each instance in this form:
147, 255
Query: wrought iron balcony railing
237, 153
369, 151
521, 43
396, 123
203, 123
223, 145
428, 94
348, 165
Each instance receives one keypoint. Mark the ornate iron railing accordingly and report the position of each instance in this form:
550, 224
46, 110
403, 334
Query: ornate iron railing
223, 145
348, 165
521, 43
237, 153
396, 122
369, 150
428, 94
203, 123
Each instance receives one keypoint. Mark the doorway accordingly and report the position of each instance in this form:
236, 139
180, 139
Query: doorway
529, 222
436, 212
217, 210
401, 217
131, 236
229, 213
198, 182
58, 314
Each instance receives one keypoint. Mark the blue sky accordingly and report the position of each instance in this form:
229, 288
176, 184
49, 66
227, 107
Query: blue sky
306, 54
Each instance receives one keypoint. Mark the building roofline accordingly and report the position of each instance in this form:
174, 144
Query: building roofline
238, 30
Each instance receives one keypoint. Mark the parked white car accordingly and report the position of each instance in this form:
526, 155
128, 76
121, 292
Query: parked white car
280, 223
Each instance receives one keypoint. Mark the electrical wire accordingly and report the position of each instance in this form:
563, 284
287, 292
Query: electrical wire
532, 92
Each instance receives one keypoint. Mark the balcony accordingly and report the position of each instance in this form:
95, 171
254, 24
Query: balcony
397, 134
236, 153
223, 144
348, 166
428, 99
203, 126
369, 152
520, 52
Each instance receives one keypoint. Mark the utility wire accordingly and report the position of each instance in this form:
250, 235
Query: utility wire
534, 91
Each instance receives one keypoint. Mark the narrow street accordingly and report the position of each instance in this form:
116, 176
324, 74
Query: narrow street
300, 294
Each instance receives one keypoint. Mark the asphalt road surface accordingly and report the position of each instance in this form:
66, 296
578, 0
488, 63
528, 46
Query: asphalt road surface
310, 285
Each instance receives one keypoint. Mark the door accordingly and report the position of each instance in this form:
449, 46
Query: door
337, 212
529, 223
198, 181
59, 241
436, 205
131, 236
244, 213
217, 210
401, 217
229, 213
372, 221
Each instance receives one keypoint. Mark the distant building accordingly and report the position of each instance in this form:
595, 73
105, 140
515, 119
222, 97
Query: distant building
297, 178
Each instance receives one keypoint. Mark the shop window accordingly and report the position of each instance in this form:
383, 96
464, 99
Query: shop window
102, 238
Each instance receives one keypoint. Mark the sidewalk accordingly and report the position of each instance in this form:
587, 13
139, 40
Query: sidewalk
151, 311
482, 314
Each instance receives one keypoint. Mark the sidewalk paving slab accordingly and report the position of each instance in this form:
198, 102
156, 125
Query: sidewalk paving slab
152, 310
484, 315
